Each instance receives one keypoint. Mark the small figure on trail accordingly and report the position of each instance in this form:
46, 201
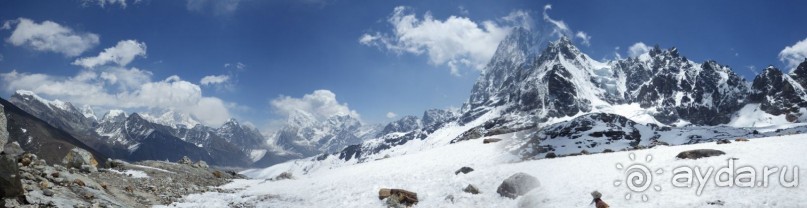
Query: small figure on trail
599, 203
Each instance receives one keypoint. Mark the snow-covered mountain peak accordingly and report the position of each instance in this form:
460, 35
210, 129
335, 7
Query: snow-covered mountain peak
114, 115
88, 112
29, 96
173, 119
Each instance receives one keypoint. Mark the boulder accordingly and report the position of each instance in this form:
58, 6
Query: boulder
741, 140
10, 184
3, 130
517, 185
723, 141
201, 164
699, 153
78, 157
13, 149
471, 189
185, 160
115, 163
551, 155
490, 140
399, 196
88, 169
463, 170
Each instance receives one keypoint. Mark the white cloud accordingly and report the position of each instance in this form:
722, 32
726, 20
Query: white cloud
455, 41
391, 115
237, 65
585, 38
793, 55
558, 27
135, 90
217, 7
49, 36
638, 49
214, 79
321, 103
122, 54
103, 3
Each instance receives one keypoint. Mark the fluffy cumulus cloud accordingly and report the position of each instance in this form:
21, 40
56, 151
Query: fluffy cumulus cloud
454, 41
638, 49
459, 41
49, 36
214, 79
321, 103
794, 55
123, 88
391, 115
121, 54
217, 7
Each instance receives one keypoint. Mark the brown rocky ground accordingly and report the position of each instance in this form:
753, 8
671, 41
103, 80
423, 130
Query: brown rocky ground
118, 184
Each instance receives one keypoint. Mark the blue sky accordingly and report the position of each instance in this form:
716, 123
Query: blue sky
276, 52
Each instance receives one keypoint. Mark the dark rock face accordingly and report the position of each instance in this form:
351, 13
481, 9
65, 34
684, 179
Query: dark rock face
517, 185
699, 153
778, 93
680, 89
10, 185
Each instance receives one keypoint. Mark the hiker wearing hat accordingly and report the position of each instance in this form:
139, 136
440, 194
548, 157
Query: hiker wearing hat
599, 203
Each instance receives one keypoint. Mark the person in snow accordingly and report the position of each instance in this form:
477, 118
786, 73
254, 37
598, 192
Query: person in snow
599, 203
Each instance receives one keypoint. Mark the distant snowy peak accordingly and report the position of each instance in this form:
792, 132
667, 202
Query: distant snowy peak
173, 119
31, 96
114, 116
88, 112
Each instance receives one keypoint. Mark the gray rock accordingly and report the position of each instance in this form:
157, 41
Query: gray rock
88, 169
47, 192
471, 189
13, 148
517, 185
3, 130
201, 164
78, 157
699, 153
10, 184
185, 160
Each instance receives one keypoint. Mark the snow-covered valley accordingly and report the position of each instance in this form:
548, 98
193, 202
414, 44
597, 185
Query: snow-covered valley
565, 181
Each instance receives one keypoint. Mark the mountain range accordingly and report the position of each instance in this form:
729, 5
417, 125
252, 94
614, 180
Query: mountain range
547, 97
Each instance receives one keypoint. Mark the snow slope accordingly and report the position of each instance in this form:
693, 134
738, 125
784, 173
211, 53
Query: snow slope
565, 182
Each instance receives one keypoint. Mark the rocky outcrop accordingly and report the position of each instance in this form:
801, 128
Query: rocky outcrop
517, 185
10, 185
3, 130
699, 153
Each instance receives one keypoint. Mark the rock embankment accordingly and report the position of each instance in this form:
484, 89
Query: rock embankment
115, 184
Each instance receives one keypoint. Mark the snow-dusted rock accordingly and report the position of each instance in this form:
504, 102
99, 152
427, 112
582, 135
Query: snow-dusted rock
517, 185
